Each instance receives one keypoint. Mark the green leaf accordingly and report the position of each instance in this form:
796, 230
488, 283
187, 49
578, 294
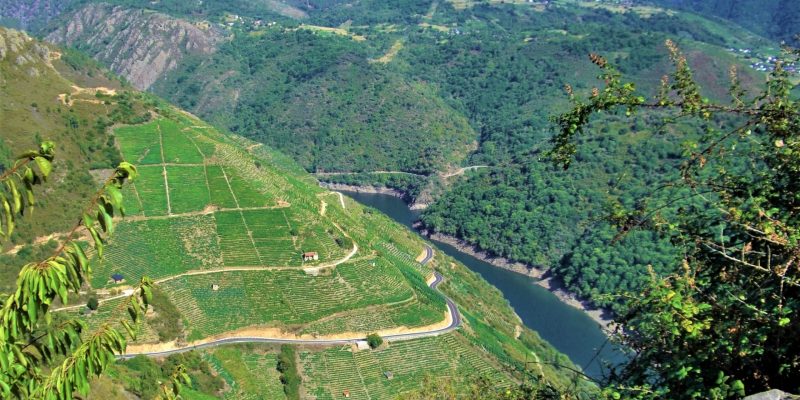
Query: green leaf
129, 328
114, 196
47, 148
784, 321
738, 387
147, 294
105, 220
83, 261
88, 220
9, 216
98, 242
28, 154
132, 313
32, 309
127, 170
15, 196
185, 378
44, 166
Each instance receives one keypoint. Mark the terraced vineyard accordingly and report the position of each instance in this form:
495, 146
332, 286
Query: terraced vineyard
251, 374
140, 144
188, 188
110, 312
289, 298
160, 248
249, 229
223, 237
385, 373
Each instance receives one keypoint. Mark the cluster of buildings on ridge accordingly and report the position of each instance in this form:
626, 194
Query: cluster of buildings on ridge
763, 63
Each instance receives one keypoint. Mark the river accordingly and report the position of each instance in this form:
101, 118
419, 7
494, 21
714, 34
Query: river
568, 329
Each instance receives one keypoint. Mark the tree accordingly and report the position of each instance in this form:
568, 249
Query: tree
725, 323
92, 304
374, 340
290, 377
42, 357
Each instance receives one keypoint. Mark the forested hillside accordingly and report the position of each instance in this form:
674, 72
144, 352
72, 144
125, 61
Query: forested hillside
427, 86
778, 19
319, 98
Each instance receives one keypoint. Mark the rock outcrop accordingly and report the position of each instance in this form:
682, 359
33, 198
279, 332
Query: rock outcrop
773, 394
31, 12
23, 53
138, 44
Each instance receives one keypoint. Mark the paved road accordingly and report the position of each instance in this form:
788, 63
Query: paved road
428, 256
456, 322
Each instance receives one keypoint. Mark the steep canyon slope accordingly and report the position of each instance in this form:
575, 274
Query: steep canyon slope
140, 45
220, 223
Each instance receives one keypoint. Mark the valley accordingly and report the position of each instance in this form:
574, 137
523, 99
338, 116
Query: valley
243, 245
323, 191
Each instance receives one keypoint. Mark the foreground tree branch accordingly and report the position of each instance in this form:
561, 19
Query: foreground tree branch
725, 323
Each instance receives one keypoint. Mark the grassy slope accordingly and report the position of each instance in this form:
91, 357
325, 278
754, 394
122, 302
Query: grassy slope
31, 79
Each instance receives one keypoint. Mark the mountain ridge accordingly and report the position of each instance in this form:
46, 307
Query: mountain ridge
140, 45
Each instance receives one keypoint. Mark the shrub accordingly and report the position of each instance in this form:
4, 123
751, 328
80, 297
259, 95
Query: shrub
374, 340
92, 304
289, 375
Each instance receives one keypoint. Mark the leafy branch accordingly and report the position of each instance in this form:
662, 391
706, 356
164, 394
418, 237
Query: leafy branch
29, 343
724, 323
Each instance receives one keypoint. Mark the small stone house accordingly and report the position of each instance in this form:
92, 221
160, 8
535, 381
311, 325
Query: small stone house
362, 345
346, 394
310, 256
389, 375
215, 287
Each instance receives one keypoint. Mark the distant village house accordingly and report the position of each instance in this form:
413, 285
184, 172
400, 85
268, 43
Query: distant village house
117, 278
310, 256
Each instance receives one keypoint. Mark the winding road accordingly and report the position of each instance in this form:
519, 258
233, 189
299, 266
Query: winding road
451, 306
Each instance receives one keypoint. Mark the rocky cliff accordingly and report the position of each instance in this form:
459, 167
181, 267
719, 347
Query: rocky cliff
27, 13
23, 52
137, 44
